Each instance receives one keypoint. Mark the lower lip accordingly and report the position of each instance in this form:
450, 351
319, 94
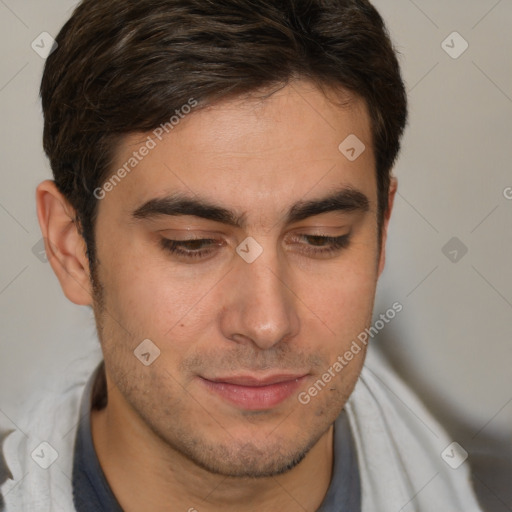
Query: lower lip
255, 397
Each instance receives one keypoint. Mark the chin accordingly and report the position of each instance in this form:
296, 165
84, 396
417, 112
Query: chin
248, 461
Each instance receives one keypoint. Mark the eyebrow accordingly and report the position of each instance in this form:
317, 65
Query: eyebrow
345, 200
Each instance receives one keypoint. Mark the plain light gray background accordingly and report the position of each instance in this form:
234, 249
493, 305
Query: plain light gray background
452, 342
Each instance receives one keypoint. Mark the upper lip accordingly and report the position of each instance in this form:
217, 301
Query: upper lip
257, 381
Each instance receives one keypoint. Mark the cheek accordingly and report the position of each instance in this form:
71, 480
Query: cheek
152, 298
343, 294
341, 313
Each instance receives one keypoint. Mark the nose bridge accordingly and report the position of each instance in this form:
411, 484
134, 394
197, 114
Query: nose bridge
262, 307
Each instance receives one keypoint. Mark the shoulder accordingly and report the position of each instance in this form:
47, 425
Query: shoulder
39, 453
400, 446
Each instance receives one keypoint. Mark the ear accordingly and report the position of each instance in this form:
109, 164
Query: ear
393, 185
65, 247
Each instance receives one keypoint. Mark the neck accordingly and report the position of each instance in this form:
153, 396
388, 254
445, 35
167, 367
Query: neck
145, 473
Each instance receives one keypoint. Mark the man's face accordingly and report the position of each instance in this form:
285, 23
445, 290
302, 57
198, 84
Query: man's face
240, 338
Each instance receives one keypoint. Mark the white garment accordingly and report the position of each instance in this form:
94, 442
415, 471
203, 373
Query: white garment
399, 446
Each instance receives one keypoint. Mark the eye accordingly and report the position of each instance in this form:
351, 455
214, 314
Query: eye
321, 245
193, 248
201, 248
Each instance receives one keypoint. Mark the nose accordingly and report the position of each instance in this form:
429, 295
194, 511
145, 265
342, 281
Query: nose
260, 306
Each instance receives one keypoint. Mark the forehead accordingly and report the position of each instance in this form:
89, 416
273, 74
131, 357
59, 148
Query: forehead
254, 151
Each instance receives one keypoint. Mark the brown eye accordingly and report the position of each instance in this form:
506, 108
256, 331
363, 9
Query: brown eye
193, 248
320, 245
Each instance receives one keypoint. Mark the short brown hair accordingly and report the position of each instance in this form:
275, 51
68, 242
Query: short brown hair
126, 65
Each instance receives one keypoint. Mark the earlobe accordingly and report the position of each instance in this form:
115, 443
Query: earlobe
393, 186
65, 247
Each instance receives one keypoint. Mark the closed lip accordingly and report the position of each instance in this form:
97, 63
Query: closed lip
255, 380
255, 392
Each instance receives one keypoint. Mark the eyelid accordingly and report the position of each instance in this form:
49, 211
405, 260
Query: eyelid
332, 231
327, 231
190, 232
214, 240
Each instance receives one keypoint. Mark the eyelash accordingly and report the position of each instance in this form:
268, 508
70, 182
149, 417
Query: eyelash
178, 247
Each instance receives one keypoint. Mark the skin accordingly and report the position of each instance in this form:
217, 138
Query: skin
165, 440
